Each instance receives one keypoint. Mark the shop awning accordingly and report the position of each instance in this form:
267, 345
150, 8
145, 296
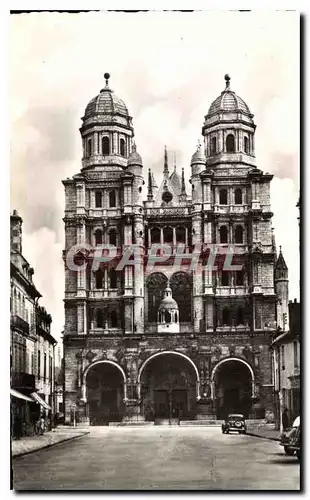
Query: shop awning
39, 400
19, 395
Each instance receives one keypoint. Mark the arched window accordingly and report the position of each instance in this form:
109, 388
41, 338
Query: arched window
223, 197
230, 143
112, 198
223, 234
113, 278
180, 234
226, 317
98, 199
88, 147
240, 316
225, 278
122, 147
155, 235
246, 144
114, 319
156, 285
182, 291
239, 278
99, 279
105, 145
239, 234
168, 235
113, 237
213, 145
98, 237
238, 196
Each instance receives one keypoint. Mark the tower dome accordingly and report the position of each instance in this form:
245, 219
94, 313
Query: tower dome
168, 301
106, 102
229, 102
134, 157
198, 156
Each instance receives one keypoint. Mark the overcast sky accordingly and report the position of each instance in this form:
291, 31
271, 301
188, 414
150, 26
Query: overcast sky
167, 67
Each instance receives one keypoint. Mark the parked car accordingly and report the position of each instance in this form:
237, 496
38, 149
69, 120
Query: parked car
290, 439
234, 422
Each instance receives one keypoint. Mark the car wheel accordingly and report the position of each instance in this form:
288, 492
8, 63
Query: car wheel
298, 455
288, 451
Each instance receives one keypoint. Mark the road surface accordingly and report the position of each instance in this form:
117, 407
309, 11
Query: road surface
158, 458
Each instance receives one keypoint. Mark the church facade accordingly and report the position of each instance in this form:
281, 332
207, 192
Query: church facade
178, 333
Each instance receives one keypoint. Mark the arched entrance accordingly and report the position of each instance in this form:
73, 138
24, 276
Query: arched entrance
169, 385
105, 385
233, 382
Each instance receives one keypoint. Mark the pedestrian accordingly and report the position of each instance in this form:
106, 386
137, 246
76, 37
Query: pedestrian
285, 419
42, 425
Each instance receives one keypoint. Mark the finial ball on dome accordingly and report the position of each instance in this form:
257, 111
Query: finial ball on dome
227, 77
106, 76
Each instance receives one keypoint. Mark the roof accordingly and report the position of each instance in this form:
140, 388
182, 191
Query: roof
134, 157
176, 181
106, 103
168, 303
198, 156
281, 264
228, 101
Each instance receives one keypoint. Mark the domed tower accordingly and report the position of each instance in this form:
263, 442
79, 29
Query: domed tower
106, 131
229, 129
168, 314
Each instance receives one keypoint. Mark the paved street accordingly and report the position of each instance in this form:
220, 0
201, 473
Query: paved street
172, 458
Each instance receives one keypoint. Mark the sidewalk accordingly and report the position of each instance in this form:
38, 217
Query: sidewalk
264, 431
33, 443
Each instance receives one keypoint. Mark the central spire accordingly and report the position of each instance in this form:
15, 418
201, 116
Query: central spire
166, 169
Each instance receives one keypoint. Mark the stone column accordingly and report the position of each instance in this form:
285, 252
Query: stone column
174, 237
115, 145
96, 143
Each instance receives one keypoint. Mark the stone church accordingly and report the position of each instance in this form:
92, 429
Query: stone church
172, 340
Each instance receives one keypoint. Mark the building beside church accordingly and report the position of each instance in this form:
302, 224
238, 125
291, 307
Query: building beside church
173, 339
31, 342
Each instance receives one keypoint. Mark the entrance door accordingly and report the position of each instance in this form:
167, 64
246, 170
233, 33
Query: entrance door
109, 405
179, 403
231, 400
161, 404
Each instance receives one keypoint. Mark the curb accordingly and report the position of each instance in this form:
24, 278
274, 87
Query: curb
262, 437
48, 446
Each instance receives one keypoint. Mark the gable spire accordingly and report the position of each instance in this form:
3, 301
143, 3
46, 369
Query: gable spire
150, 186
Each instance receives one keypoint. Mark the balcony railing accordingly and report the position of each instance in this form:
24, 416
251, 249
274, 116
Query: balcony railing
20, 323
227, 291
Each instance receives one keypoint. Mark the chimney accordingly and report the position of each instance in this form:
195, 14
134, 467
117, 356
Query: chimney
16, 231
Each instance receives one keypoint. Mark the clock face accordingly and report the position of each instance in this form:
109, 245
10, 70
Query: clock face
167, 196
